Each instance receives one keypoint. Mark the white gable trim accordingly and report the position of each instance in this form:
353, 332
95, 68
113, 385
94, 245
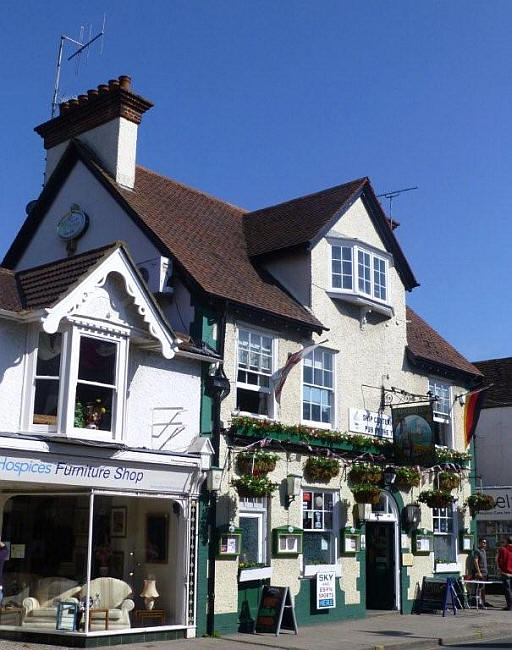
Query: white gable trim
116, 262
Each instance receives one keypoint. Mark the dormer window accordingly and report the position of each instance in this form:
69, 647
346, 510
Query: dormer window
359, 274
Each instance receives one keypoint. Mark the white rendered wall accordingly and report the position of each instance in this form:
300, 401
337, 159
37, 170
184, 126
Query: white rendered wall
493, 446
114, 143
12, 367
108, 223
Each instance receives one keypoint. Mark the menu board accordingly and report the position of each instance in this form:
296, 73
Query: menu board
275, 611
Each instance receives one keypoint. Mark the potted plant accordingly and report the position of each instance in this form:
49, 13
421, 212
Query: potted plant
448, 480
364, 472
366, 493
256, 462
318, 468
436, 498
407, 477
478, 502
250, 485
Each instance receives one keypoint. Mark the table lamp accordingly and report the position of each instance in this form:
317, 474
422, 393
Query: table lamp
149, 593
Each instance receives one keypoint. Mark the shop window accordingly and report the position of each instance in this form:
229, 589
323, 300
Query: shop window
442, 410
318, 387
319, 526
253, 523
357, 269
444, 538
47, 379
255, 362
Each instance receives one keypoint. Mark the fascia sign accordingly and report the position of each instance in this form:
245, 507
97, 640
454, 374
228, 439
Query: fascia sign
370, 422
503, 507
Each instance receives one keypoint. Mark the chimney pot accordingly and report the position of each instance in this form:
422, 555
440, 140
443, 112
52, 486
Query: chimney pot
125, 82
73, 103
113, 83
92, 93
102, 89
63, 108
82, 99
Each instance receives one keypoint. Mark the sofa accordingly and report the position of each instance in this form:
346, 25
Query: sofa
40, 609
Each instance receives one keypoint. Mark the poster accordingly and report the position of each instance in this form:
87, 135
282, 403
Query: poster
325, 590
413, 434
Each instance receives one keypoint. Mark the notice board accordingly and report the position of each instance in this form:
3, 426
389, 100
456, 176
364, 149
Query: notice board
275, 611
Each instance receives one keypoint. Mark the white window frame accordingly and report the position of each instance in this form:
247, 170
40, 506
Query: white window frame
332, 390
442, 416
257, 508
68, 377
445, 567
312, 569
356, 293
258, 389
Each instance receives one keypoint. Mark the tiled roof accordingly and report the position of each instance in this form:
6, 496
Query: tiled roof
9, 297
297, 221
207, 238
499, 373
424, 343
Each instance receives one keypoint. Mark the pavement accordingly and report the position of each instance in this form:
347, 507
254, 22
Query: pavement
379, 632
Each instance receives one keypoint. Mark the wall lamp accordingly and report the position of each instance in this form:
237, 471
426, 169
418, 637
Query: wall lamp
389, 476
213, 479
293, 487
411, 515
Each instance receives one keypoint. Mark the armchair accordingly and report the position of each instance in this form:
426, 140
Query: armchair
110, 594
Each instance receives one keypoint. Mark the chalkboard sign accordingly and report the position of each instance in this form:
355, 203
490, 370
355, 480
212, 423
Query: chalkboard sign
437, 595
275, 611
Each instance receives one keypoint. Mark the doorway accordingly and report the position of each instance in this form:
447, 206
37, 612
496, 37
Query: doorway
380, 565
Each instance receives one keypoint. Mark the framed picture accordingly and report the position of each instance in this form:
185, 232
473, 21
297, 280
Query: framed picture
157, 534
117, 565
118, 521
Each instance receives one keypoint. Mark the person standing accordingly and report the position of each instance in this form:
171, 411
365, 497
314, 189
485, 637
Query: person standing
480, 569
4, 554
505, 565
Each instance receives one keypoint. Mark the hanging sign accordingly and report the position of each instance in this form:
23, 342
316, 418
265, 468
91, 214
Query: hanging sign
325, 589
413, 434
370, 422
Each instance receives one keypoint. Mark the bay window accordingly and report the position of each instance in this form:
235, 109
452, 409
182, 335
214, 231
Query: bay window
318, 526
254, 369
359, 270
318, 387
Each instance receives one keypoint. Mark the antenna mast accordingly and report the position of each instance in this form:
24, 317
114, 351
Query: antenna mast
391, 195
81, 47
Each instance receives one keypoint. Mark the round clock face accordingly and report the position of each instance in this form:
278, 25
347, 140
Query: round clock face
73, 224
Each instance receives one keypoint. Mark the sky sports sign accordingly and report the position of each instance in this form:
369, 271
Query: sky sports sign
325, 589
70, 471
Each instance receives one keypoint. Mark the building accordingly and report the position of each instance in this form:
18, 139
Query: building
251, 289
493, 455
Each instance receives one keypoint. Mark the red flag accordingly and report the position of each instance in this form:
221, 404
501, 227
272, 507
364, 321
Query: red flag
279, 377
472, 408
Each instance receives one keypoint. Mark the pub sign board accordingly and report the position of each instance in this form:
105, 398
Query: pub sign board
413, 434
325, 589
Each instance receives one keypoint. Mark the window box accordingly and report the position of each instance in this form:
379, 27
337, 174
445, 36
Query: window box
451, 567
310, 570
255, 573
287, 541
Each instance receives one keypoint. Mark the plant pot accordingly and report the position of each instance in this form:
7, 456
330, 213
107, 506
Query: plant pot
321, 469
255, 573
258, 467
361, 475
436, 498
367, 494
449, 481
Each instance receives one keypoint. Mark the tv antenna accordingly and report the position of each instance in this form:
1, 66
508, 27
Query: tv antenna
393, 194
81, 48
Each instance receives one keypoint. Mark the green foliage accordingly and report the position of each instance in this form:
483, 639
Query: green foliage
407, 477
445, 455
256, 462
478, 502
436, 498
79, 421
365, 472
255, 486
366, 493
319, 468
448, 480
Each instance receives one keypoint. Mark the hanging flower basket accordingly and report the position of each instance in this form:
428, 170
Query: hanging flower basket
366, 493
250, 485
407, 478
257, 462
436, 498
448, 480
365, 473
478, 502
318, 468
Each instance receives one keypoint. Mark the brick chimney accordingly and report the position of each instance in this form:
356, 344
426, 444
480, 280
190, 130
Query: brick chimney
106, 119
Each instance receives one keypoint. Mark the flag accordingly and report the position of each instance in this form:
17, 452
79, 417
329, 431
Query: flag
472, 408
279, 377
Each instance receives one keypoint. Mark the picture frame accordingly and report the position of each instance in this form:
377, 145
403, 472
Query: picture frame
157, 536
118, 521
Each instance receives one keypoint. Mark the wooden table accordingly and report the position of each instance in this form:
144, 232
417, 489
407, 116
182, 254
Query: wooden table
143, 615
18, 611
99, 611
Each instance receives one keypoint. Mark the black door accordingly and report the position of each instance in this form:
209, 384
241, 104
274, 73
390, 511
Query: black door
380, 565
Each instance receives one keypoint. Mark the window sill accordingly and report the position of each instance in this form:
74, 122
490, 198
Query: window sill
362, 301
257, 573
316, 425
452, 567
310, 570
255, 416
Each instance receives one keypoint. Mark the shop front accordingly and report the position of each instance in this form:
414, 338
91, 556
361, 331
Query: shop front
96, 546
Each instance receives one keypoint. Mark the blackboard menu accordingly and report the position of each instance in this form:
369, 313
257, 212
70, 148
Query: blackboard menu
275, 611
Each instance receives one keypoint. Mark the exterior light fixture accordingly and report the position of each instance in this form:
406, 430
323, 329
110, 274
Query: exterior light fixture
217, 384
293, 487
213, 479
411, 516
389, 475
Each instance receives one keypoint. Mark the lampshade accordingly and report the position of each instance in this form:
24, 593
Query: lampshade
149, 589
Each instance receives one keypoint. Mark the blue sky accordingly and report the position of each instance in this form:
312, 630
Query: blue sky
260, 101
